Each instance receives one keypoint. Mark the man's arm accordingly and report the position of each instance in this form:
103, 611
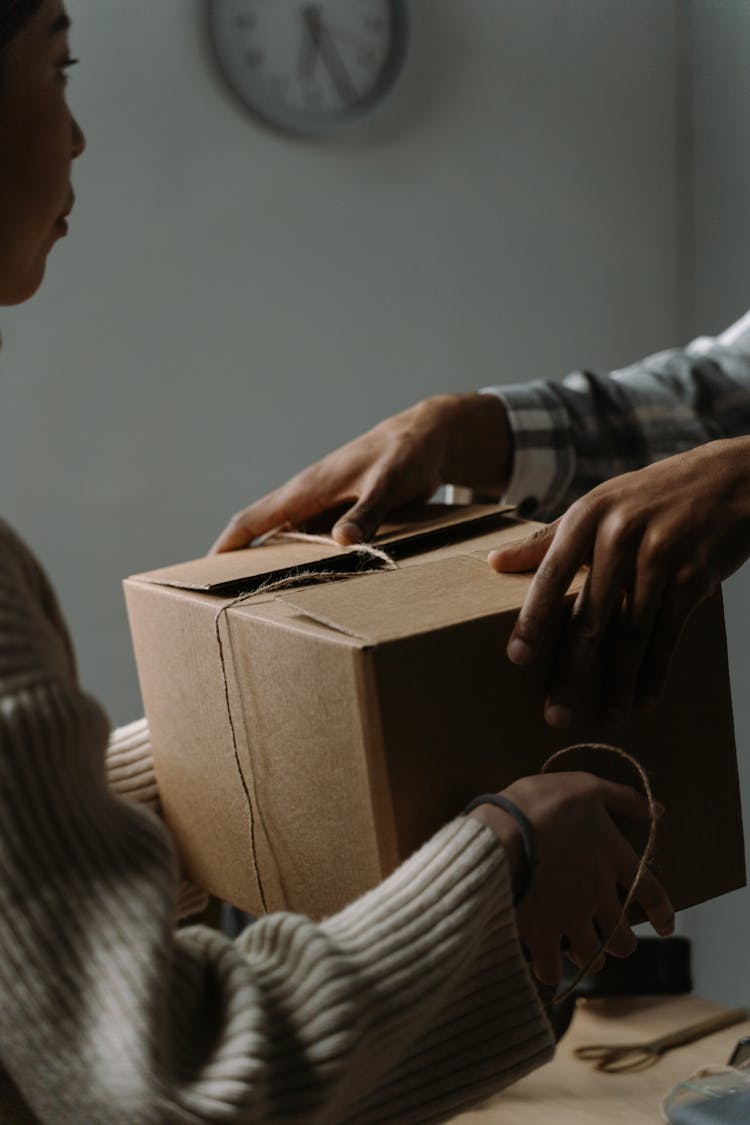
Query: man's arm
569, 436
656, 542
540, 445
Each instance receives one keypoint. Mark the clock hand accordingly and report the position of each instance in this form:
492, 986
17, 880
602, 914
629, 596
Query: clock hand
335, 67
346, 36
310, 47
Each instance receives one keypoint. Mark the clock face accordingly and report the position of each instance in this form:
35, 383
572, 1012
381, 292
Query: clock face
309, 68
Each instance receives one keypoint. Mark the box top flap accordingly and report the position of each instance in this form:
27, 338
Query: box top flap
393, 604
245, 571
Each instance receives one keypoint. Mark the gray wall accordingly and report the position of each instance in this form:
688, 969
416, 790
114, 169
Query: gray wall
719, 290
230, 304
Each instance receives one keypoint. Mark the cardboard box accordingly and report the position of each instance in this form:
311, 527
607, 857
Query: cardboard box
310, 737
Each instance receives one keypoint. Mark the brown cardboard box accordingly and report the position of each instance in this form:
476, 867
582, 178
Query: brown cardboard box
308, 738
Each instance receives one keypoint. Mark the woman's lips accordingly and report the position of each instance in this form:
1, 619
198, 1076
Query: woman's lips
62, 222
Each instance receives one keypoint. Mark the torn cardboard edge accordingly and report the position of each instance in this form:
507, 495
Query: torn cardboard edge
247, 571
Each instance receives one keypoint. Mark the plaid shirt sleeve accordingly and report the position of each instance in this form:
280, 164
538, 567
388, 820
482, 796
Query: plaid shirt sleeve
571, 435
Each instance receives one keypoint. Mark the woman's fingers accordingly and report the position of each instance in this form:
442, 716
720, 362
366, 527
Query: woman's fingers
620, 939
625, 801
584, 946
586, 867
648, 893
546, 959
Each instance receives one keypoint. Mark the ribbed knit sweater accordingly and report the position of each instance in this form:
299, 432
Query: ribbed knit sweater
409, 1005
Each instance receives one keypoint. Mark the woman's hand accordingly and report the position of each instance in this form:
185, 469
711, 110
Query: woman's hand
657, 542
448, 439
586, 868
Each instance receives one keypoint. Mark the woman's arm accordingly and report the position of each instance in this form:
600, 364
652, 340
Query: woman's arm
129, 765
409, 1005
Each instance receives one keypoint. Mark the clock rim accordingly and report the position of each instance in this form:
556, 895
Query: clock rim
336, 125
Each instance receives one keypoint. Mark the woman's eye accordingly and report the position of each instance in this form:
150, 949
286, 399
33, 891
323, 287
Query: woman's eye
64, 66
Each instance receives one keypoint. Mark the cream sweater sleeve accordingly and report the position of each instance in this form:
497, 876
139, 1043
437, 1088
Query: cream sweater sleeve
130, 774
409, 1005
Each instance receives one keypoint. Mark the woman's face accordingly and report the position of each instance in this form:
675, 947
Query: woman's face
39, 139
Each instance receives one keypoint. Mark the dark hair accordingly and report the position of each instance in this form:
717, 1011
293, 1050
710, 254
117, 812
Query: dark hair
13, 15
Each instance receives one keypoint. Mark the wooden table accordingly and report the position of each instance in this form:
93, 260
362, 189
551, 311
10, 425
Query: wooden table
570, 1092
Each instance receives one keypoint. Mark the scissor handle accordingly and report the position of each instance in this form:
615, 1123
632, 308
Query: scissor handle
698, 1030
619, 1058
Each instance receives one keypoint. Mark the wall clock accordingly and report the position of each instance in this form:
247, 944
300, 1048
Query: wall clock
310, 69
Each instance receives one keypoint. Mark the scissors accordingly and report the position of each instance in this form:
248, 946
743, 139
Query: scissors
624, 1058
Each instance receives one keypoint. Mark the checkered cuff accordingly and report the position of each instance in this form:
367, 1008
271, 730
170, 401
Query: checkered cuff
544, 456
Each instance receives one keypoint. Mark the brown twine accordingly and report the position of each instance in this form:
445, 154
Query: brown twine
379, 557
270, 586
642, 865
365, 549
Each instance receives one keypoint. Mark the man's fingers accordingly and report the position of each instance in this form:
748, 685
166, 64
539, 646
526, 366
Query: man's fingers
248, 525
667, 632
544, 607
302, 498
362, 521
581, 645
524, 555
627, 649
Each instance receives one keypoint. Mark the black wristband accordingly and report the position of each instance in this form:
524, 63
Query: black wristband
527, 836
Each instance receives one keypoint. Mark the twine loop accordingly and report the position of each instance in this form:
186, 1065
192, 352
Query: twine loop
643, 863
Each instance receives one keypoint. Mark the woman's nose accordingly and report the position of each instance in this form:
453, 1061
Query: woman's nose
79, 141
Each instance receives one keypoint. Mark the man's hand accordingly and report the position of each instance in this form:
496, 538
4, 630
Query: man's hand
586, 867
656, 542
448, 439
